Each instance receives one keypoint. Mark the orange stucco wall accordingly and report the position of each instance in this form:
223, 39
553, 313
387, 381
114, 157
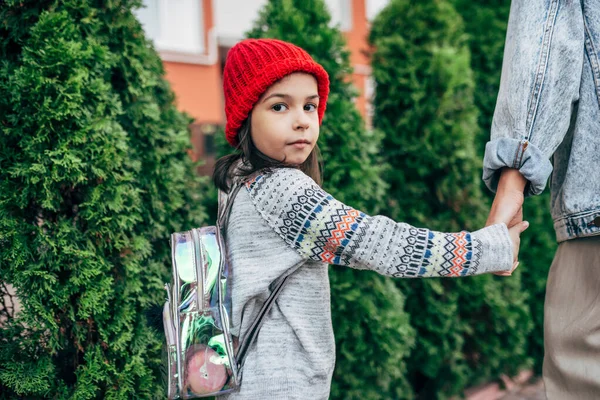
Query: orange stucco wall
197, 90
357, 40
197, 87
360, 101
357, 37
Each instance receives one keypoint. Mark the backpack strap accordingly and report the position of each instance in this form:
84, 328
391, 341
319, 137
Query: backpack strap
224, 207
257, 324
224, 211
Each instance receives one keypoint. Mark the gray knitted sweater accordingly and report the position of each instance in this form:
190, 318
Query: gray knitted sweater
283, 223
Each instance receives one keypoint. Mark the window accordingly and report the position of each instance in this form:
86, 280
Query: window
203, 143
174, 25
341, 13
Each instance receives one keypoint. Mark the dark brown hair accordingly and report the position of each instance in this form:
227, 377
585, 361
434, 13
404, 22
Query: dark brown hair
253, 160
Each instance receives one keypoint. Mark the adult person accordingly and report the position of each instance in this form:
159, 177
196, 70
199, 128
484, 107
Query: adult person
547, 125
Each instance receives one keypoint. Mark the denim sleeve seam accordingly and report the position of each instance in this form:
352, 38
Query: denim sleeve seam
542, 66
593, 57
520, 153
516, 164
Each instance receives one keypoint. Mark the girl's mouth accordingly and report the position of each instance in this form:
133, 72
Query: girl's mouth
300, 144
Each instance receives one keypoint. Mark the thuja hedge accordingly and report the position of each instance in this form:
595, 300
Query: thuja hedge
94, 177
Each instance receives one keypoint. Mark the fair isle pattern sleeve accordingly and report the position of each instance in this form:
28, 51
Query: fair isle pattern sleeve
323, 229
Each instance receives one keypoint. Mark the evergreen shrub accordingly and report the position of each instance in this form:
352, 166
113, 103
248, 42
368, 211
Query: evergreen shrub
94, 176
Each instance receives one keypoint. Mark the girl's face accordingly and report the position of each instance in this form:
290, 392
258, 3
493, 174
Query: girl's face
285, 122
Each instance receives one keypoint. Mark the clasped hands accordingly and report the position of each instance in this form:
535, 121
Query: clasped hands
508, 208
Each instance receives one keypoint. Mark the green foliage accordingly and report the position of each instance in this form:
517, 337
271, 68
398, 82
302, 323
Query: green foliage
94, 177
467, 330
485, 25
424, 105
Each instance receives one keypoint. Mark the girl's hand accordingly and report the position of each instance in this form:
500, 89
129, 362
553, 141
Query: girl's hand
515, 236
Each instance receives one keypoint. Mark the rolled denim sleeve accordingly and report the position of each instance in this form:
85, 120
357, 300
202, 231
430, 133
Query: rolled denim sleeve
541, 74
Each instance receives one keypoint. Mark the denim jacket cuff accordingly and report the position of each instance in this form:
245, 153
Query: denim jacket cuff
518, 154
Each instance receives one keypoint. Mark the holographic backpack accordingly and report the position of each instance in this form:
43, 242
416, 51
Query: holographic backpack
203, 358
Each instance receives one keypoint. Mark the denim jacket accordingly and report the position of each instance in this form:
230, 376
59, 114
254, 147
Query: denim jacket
547, 117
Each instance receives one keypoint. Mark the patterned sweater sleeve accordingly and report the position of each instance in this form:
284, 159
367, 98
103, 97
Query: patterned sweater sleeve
320, 228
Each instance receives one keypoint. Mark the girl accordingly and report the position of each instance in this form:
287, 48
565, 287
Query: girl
283, 224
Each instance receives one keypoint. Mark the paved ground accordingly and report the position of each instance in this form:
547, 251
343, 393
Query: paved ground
534, 391
522, 387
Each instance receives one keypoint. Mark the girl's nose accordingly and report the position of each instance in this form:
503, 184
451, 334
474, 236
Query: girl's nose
302, 121
300, 126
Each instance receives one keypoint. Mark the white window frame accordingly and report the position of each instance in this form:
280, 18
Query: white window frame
346, 17
194, 55
341, 13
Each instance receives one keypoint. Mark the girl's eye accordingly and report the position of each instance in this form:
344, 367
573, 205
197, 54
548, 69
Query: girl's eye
279, 107
310, 107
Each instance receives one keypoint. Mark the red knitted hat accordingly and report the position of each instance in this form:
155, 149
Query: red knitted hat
255, 64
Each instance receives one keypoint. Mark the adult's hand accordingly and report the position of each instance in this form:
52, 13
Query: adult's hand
508, 208
508, 202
